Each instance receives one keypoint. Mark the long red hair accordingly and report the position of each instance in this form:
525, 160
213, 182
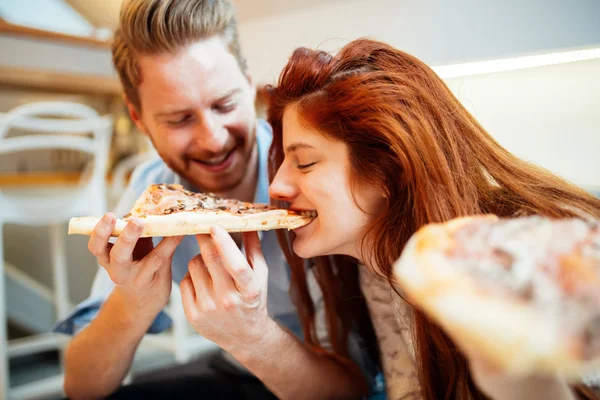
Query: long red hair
407, 133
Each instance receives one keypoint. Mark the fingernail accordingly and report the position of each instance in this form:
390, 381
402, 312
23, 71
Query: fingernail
216, 230
109, 218
138, 224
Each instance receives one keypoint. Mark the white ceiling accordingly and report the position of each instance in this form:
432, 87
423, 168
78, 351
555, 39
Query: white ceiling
101, 13
105, 13
252, 9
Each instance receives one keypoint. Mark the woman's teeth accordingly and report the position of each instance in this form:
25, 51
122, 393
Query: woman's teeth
311, 214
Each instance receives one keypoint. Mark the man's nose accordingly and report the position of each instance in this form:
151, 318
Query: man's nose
211, 135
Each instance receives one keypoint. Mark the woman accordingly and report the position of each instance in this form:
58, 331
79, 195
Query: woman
375, 144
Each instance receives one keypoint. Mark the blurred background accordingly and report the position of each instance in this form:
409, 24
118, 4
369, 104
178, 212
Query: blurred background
529, 70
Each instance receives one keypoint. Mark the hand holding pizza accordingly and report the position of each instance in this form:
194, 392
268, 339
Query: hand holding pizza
141, 272
225, 293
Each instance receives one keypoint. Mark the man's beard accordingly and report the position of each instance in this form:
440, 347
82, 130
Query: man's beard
182, 167
216, 183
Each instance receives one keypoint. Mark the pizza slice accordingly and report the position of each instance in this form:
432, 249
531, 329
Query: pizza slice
523, 293
171, 210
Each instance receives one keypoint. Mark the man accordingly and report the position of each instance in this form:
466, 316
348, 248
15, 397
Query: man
187, 88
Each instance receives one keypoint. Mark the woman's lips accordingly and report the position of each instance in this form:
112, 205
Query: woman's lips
306, 213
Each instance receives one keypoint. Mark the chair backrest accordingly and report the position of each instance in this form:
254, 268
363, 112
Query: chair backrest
79, 128
121, 171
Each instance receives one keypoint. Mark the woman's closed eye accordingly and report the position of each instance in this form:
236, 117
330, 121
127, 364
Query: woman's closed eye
305, 166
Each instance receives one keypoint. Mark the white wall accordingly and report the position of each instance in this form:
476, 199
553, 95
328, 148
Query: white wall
51, 15
47, 55
547, 115
437, 31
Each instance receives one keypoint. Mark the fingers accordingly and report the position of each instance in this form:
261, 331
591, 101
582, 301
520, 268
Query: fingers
214, 261
246, 280
188, 295
122, 252
162, 254
254, 255
202, 282
98, 243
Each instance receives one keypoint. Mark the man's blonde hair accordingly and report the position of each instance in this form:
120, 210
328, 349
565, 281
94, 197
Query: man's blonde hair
165, 26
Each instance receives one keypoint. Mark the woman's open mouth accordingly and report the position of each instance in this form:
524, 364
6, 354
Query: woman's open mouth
307, 213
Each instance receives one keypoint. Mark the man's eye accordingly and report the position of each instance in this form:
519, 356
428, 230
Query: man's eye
180, 121
304, 166
225, 107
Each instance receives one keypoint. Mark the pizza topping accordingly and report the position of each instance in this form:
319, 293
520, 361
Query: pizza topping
508, 252
504, 258
165, 199
168, 199
504, 255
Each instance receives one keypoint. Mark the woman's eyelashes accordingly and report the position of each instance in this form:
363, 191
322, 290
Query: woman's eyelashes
305, 166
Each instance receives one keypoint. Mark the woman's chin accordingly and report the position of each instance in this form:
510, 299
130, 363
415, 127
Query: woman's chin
303, 249
301, 252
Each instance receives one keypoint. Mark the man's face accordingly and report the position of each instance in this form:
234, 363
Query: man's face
197, 107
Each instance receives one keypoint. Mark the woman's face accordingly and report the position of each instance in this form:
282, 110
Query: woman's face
315, 177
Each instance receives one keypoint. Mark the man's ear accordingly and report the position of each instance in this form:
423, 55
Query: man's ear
135, 115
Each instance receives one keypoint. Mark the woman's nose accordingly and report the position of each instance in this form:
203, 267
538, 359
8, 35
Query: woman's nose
282, 188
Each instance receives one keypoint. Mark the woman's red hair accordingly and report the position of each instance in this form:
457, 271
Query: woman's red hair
408, 134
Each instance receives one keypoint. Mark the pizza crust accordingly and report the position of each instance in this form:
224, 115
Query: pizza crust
192, 223
506, 331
